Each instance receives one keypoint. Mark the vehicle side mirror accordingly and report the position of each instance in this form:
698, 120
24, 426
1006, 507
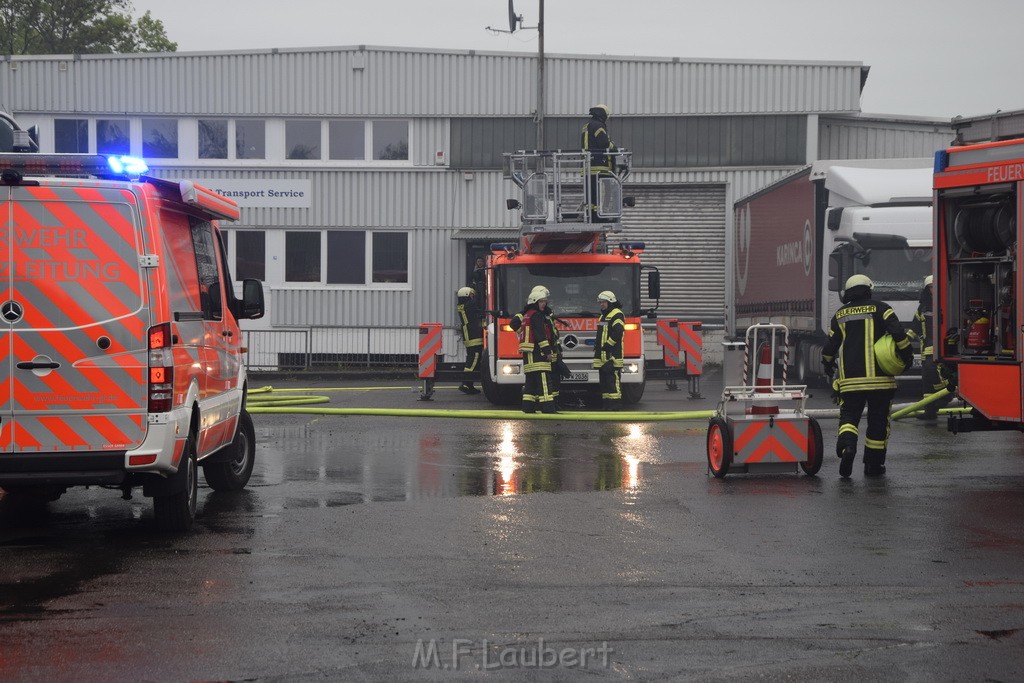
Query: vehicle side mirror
654, 285
252, 299
835, 272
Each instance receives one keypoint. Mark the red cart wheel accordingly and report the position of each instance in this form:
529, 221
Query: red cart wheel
815, 448
719, 447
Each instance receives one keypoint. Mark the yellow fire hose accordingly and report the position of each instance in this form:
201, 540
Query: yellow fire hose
262, 400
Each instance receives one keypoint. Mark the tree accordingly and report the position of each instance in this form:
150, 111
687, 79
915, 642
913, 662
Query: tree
78, 27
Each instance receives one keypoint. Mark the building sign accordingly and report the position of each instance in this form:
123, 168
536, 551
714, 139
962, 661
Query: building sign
263, 192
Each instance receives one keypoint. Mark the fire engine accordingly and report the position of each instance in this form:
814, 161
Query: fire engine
978, 297
570, 249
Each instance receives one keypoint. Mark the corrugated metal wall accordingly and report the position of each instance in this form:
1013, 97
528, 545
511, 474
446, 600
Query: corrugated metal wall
880, 139
401, 82
656, 141
387, 198
684, 231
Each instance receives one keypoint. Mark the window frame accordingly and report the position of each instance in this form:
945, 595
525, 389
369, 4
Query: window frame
368, 283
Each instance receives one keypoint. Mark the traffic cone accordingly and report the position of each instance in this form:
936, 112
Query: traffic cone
763, 383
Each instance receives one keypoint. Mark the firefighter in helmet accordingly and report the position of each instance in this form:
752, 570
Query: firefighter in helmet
608, 349
472, 337
536, 343
931, 380
867, 362
595, 139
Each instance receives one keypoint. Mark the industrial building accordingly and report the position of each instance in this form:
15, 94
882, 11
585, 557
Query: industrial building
370, 178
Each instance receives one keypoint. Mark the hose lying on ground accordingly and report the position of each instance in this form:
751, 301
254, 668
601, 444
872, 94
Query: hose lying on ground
261, 400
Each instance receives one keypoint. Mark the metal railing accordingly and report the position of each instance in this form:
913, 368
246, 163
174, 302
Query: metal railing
333, 348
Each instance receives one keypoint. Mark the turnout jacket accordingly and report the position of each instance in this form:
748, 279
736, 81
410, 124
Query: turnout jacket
608, 343
469, 318
596, 141
536, 340
851, 339
924, 318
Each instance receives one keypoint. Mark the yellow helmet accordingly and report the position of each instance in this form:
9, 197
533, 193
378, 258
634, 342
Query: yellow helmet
886, 358
537, 293
607, 295
466, 291
859, 280
607, 111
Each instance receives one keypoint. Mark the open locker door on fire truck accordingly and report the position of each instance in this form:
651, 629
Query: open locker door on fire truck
978, 286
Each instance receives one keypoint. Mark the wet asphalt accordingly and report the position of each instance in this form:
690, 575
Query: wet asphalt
383, 548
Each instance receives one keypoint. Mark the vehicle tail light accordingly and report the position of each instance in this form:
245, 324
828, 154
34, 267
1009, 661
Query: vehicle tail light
161, 369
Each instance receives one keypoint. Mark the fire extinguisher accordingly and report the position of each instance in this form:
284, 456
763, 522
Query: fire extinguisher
979, 327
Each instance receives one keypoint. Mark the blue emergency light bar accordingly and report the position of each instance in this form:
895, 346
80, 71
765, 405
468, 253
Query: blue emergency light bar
941, 160
98, 165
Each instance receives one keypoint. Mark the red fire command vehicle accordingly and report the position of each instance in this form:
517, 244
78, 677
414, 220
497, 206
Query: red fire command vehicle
123, 362
978, 290
572, 251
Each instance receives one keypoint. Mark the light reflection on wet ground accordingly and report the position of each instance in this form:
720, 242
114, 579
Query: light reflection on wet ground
504, 458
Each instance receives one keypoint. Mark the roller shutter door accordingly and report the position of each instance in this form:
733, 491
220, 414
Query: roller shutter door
684, 229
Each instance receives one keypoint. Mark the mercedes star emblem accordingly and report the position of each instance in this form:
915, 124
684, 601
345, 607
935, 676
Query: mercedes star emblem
570, 341
11, 311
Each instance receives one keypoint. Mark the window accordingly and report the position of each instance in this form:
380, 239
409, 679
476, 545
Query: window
250, 254
112, 136
390, 140
160, 138
302, 139
390, 257
347, 140
213, 139
352, 257
71, 136
206, 265
302, 257
250, 139
346, 257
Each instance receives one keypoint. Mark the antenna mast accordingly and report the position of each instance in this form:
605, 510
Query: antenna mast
513, 20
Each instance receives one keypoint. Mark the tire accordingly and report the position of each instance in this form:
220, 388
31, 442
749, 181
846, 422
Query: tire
815, 449
719, 447
497, 394
632, 393
177, 511
233, 474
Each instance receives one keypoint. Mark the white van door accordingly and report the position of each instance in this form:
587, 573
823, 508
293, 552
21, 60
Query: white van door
74, 318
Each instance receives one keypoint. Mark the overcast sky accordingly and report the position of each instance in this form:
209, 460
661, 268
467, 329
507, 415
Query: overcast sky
933, 58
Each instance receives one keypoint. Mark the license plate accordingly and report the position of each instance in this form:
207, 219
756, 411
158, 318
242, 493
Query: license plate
578, 377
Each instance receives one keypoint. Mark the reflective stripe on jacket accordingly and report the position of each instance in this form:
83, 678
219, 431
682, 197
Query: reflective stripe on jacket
608, 343
851, 338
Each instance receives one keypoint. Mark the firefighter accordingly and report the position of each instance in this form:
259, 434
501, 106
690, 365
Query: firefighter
931, 380
595, 139
608, 349
472, 337
536, 344
851, 345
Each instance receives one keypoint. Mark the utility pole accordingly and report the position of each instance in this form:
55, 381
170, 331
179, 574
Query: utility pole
540, 77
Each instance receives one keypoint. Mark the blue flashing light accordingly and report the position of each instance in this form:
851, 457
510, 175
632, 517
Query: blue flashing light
127, 166
941, 161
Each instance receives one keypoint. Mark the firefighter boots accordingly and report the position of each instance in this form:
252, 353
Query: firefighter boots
468, 388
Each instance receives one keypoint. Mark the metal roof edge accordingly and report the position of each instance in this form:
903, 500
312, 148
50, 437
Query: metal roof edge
438, 51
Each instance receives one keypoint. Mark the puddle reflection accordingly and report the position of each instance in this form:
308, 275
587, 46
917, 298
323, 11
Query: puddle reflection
515, 458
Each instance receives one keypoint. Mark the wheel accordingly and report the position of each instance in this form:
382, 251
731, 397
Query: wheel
632, 393
233, 474
497, 394
719, 447
815, 449
176, 511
